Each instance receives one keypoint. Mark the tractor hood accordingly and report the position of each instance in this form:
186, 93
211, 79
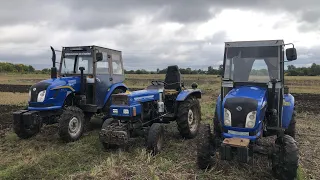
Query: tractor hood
251, 92
143, 96
69, 83
242, 101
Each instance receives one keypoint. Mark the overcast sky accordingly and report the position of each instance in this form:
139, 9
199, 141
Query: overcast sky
155, 33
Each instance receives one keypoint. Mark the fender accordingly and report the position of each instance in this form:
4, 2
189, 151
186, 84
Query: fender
288, 108
218, 106
183, 95
112, 88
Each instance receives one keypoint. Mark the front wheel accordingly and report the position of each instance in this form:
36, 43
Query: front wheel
189, 117
285, 159
71, 124
204, 159
155, 138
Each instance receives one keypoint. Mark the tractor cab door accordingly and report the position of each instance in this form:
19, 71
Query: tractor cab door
103, 78
108, 72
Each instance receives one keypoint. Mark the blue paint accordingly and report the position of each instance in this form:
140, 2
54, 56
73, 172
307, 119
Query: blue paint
251, 138
253, 92
56, 97
287, 110
112, 88
183, 95
121, 108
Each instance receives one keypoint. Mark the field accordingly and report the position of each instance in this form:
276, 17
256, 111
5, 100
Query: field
46, 157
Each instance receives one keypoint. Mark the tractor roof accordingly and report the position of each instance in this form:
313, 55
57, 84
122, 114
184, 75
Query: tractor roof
254, 43
89, 46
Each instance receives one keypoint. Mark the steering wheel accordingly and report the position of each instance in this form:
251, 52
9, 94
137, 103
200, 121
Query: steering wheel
158, 83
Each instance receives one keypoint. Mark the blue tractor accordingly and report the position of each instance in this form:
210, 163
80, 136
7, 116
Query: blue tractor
88, 76
142, 113
253, 103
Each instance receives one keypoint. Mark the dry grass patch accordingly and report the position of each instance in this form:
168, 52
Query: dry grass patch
8, 98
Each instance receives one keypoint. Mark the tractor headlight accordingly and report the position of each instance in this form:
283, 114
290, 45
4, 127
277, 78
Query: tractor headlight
115, 111
41, 96
125, 111
251, 119
227, 117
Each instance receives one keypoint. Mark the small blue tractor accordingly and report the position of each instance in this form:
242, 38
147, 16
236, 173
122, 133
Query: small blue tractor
88, 76
253, 103
141, 113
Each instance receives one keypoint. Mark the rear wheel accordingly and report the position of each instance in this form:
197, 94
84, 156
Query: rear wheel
285, 159
204, 147
291, 131
189, 117
155, 138
71, 124
23, 131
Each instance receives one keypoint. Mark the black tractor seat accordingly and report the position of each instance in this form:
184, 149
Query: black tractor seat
173, 78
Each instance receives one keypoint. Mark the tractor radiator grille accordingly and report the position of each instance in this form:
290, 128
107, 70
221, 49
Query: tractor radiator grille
120, 99
239, 108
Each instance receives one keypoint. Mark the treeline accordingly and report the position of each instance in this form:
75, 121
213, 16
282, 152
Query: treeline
6, 67
313, 70
210, 70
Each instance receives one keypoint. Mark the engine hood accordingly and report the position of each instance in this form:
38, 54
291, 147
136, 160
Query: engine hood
143, 96
252, 92
69, 83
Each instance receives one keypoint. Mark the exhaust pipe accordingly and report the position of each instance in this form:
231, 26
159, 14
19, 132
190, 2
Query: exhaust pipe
53, 69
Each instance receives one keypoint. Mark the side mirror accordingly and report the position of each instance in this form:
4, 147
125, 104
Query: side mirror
99, 56
291, 54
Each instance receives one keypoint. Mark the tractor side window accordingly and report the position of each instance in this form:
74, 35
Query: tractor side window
116, 64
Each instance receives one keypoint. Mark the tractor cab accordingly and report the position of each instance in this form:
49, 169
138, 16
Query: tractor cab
97, 68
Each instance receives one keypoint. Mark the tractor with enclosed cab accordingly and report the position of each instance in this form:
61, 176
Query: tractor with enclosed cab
87, 77
143, 113
253, 103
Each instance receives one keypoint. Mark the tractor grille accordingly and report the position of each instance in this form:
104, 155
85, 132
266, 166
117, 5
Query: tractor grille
120, 99
238, 115
35, 89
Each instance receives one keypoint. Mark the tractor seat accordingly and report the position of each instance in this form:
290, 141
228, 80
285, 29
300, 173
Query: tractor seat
173, 78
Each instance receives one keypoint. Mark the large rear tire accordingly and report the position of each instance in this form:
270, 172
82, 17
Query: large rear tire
204, 159
25, 132
189, 117
155, 138
71, 124
285, 159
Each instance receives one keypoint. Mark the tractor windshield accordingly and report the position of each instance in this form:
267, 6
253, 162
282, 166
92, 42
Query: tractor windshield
252, 64
71, 64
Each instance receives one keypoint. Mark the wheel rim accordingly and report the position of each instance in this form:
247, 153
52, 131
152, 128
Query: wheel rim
74, 126
192, 120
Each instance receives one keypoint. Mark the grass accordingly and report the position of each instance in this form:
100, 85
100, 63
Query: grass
8, 98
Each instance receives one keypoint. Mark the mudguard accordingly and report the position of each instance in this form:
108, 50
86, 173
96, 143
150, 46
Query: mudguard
288, 108
112, 88
183, 95
218, 106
